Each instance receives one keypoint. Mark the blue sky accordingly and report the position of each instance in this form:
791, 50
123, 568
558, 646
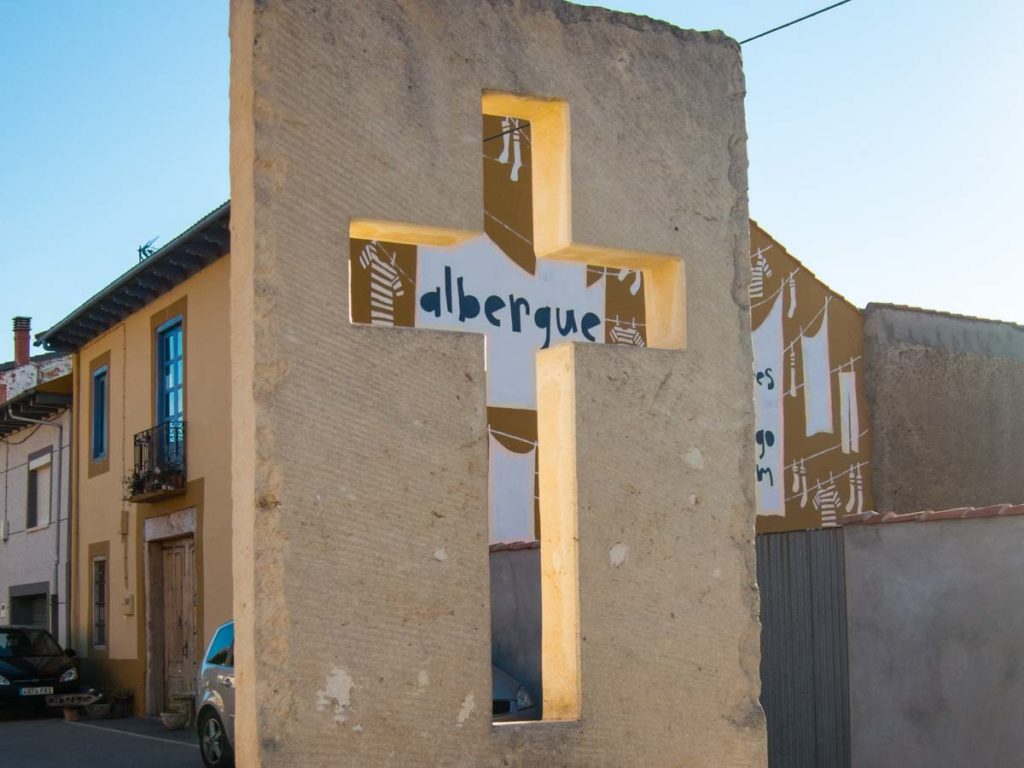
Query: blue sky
885, 141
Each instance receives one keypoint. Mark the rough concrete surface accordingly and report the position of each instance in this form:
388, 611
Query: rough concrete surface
935, 617
943, 398
354, 465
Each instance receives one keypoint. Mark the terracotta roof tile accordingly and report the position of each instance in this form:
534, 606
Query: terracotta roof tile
513, 546
956, 513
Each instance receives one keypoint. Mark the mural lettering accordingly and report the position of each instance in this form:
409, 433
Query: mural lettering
467, 307
495, 285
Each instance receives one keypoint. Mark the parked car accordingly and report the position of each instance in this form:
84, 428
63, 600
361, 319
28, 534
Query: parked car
35, 670
215, 700
509, 698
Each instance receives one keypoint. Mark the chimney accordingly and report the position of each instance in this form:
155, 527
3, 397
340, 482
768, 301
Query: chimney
22, 332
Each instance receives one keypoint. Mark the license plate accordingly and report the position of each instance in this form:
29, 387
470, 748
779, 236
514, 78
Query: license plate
41, 691
71, 699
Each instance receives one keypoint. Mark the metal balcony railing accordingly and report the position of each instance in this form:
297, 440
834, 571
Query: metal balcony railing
159, 463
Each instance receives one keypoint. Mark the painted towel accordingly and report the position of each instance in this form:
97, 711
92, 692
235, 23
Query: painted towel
512, 493
817, 380
849, 418
768, 390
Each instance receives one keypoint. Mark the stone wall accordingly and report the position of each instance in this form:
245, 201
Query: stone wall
943, 398
360, 471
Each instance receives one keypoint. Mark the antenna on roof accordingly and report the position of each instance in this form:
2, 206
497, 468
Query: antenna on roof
147, 250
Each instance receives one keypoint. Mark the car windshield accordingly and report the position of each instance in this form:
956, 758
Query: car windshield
27, 642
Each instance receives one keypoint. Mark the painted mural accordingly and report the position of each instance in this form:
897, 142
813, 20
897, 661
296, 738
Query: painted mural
811, 439
494, 284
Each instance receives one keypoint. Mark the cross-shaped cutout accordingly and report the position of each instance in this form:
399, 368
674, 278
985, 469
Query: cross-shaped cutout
521, 282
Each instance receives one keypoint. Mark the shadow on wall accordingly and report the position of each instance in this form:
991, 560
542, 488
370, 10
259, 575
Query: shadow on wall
515, 614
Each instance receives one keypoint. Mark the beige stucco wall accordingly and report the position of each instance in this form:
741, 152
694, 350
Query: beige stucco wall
360, 471
129, 346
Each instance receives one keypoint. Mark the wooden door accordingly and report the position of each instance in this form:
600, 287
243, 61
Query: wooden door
179, 618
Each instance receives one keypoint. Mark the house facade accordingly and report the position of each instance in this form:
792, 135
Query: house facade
35, 422
152, 503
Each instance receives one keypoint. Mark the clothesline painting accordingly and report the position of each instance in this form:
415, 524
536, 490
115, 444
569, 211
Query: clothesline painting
495, 285
812, 445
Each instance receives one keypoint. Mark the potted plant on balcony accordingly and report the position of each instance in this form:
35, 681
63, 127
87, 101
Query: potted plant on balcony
136, 484
166, 478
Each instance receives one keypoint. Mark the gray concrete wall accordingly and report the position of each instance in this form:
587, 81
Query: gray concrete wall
27, 557
935, 617
944, 401
516, 615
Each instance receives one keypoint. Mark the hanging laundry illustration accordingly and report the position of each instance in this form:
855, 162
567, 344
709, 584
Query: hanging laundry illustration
638, 276
796, 478
769, 356
827, 502
760, 270
512, 477
803, 484
849, 418
510, 139
622, 334
855, 504
817, 380
385, 283
791, 281
792, 370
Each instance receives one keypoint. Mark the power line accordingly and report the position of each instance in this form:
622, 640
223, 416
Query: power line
795, 21
523, 125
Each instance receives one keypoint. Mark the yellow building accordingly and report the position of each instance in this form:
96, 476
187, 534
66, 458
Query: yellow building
151, 534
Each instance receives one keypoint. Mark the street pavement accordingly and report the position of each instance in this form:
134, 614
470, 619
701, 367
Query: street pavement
47, 742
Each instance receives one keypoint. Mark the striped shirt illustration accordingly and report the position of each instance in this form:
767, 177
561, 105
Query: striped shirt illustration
620, 334
760, 271
827, 501
385, 284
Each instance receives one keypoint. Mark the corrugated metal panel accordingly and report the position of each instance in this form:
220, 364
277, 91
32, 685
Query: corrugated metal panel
804, 672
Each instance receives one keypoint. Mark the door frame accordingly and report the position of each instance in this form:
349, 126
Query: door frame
156, 532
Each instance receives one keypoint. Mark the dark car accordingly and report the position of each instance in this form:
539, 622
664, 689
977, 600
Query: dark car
34, 669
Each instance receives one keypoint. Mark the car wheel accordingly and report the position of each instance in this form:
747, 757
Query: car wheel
213, 742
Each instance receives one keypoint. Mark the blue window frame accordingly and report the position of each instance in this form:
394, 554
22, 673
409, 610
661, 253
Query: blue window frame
99, 413
170, 394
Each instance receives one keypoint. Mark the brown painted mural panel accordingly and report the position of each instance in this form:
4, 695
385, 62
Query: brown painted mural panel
823, 470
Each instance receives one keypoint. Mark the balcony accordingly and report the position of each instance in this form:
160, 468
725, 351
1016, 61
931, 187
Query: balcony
159, 463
